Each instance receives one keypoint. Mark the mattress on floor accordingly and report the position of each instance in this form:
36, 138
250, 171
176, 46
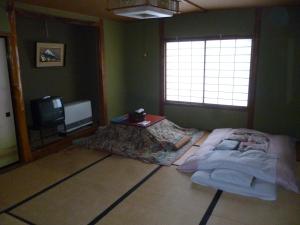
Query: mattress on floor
270, 158
259, 188
162, 143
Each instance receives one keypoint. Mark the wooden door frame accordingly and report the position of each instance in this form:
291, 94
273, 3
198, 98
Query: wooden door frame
15, 74
16, 88
254, 68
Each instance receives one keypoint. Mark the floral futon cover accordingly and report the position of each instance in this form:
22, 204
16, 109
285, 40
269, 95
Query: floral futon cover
154, 144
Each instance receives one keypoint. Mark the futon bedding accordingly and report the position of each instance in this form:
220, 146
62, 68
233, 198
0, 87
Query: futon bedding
162, 143
265, 159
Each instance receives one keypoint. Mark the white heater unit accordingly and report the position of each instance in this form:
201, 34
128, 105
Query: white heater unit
77, 115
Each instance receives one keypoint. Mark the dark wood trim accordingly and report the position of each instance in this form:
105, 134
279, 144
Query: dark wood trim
195, 5
253, 68
162, 68
17, 93
208, 106
102, 76
64, 143
41, 16
210, 37
4, 34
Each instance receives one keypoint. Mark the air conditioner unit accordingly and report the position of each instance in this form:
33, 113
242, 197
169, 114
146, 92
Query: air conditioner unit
77, 115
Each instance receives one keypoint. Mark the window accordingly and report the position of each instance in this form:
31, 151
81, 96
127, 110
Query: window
208, 71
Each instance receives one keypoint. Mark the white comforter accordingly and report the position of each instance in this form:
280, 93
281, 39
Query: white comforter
275, 166
255, 163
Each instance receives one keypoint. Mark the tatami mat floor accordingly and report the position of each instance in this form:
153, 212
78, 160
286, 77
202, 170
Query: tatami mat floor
80, 186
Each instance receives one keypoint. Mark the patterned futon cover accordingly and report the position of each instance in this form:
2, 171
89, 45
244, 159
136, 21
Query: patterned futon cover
154, 144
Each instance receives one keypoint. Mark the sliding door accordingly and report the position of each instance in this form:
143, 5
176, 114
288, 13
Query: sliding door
8, 142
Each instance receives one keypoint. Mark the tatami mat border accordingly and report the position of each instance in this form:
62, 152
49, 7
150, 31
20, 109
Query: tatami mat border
123, 197
210, 208
53, 185
20, 218
203, 221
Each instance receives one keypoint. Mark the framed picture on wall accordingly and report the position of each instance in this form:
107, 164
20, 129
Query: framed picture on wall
50, 54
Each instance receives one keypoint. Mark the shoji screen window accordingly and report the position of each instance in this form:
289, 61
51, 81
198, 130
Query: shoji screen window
185, 71
208, 72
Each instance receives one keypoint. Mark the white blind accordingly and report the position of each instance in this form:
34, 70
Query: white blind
211, 71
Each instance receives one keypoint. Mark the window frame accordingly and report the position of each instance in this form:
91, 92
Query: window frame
209, 105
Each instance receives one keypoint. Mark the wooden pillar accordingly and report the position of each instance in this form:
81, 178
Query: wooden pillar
162, 68
102, 76
254, 64
17, 94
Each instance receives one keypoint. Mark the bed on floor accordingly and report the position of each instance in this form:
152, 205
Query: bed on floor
161, 143
244, 161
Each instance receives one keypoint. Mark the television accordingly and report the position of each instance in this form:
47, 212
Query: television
47, 111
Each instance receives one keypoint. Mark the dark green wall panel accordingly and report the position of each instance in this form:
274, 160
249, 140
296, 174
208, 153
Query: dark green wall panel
205, 118
142, 73
77, 80
4, 24
142, 65
278, 80
223, 22
277, 94
114, 65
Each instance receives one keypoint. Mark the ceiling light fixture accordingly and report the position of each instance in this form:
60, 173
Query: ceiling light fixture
143, 9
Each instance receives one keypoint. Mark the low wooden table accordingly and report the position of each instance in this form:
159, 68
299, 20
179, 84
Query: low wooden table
149, 117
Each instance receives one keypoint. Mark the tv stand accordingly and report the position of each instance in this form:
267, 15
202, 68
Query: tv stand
63, 142
44, 133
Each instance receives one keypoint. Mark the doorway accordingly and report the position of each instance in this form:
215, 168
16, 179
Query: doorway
8, 141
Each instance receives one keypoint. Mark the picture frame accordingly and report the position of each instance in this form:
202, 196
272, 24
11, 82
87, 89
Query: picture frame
50, 54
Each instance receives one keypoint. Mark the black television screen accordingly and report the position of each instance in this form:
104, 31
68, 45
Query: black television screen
47, 111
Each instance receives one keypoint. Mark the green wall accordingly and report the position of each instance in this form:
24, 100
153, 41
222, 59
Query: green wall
72, 88
142, 65
142, 73
4, 24
132, 67
278, 80
77, 80
201, 25
277, 96
223, 22
114, 66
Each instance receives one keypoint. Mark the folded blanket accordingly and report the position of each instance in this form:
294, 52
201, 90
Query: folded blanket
259, 189
254, 163
232, 177
228, 145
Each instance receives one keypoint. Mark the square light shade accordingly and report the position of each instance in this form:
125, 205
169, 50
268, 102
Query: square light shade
143, 9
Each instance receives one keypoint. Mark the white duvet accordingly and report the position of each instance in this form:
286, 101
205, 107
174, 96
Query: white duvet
252, 173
